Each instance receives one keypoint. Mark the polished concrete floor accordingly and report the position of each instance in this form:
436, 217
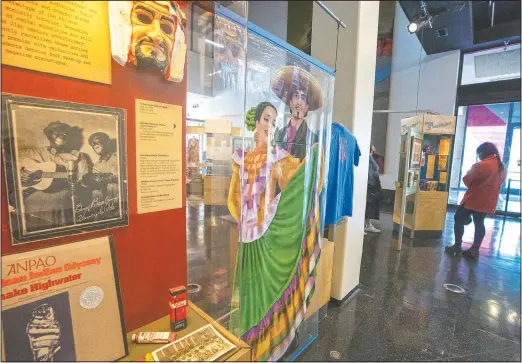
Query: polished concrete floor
402, 311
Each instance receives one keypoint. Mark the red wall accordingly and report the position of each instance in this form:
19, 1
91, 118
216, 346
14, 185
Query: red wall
151, 251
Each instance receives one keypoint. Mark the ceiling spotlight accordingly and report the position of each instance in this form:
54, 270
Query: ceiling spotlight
413, 27
417, 25
420, 19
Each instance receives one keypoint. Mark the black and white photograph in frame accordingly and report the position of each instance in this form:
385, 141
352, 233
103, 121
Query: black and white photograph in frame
65, 167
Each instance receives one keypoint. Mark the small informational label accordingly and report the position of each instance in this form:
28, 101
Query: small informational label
91, 297
69, 38
159, 156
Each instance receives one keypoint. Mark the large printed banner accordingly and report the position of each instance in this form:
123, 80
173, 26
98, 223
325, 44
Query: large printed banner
62, 304
276, 192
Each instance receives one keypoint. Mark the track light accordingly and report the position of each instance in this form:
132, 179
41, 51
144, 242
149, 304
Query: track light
417, 25
423, 18
420, 20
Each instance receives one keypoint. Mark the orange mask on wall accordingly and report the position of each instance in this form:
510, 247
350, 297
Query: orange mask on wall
149, 34
153, 35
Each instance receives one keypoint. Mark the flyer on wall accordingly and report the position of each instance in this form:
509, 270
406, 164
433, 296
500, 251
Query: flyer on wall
159, 168
62, 304
65, 167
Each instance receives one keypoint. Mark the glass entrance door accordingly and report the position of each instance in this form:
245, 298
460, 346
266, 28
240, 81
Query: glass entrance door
511, 188
498, 123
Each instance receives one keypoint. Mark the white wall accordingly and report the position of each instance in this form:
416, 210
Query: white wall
353, 105
418, 82
438, 83
272, 16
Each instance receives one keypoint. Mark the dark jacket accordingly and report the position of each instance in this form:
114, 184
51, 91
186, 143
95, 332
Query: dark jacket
374, 195
304, 139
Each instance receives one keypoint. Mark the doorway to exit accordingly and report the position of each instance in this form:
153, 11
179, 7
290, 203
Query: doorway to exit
498, 123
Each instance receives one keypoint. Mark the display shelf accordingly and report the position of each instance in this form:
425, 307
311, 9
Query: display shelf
196, 318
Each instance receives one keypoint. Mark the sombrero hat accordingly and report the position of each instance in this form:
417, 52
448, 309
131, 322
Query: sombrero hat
292, 77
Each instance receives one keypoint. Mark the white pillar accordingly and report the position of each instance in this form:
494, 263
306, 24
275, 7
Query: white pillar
353, 107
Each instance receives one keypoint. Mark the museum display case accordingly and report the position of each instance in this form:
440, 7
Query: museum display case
264, 117
423, 181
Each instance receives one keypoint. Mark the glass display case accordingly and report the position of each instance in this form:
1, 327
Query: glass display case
423, 180
260, 116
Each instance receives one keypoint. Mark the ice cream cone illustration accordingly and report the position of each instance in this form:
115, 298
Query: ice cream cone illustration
43, 331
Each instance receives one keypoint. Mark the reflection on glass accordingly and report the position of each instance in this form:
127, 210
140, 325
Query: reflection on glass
512, 317
215, 117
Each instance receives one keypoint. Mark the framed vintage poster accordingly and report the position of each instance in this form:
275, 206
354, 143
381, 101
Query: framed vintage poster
65, 167
416, 153
62, 304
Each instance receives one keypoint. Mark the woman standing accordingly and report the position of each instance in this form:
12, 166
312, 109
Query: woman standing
483, 181
373, 194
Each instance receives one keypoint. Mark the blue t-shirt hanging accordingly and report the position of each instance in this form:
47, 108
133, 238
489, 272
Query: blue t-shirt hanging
344, 154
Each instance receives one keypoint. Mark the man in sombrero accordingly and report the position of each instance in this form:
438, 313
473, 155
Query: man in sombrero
301, 92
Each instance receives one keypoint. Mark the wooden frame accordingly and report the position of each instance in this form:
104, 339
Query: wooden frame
76, 207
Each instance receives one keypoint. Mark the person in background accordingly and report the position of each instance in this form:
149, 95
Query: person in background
483, 181
373, 194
